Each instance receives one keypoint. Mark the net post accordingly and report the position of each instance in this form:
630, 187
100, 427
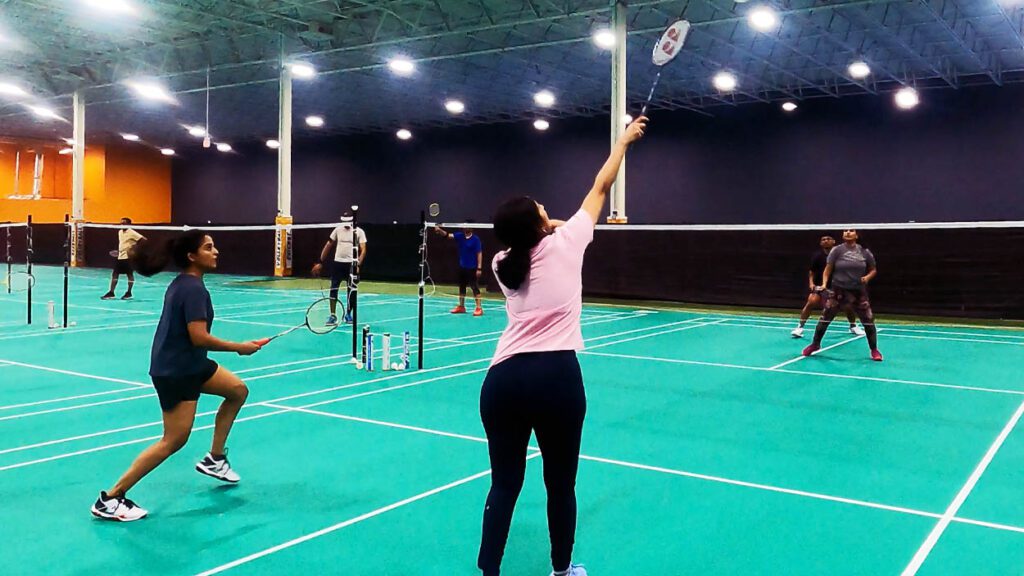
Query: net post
423, 263
67, 263
283, 246
77, 242
28, 263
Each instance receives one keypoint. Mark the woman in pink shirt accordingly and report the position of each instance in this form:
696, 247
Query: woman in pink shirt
534, 383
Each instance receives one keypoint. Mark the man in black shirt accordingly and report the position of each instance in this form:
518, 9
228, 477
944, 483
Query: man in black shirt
814, 299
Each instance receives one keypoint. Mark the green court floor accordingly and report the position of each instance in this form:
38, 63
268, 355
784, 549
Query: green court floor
710, 446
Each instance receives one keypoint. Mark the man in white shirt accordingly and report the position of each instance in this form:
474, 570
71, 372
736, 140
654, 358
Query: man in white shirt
126, 240
343, 242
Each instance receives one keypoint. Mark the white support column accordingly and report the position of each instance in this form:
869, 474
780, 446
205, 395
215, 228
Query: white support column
78, 159
284, 153
617, 207
283, 236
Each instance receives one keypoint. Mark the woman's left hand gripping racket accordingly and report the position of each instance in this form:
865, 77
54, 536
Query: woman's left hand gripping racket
318, 321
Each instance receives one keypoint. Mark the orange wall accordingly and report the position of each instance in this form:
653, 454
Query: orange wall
120, 181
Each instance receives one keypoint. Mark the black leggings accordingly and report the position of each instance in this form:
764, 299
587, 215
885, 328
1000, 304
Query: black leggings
467, 277
841, 298
540, 392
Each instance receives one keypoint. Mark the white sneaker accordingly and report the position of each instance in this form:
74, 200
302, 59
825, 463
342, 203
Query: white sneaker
856, 330
219, 469
117, 509
575, 570
798, 332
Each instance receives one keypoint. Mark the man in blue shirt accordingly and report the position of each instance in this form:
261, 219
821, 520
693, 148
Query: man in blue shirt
471, 257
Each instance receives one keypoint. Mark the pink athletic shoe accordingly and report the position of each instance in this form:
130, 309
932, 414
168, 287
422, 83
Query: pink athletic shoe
876, 355
811, 349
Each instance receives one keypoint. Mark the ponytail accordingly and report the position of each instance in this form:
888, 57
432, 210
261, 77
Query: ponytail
150, 257
518, 225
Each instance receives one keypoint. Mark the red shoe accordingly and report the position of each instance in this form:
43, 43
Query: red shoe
876, 355
478, 312
811, 349
459, 310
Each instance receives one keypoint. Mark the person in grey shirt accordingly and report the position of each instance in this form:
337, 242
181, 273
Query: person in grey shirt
850, 268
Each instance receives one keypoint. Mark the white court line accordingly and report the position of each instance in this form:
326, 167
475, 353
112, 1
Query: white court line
382, 379
790, 320
392, 388
72, 373
78, 330
808, 373
993, 525
255, 417
620, 463
889, 334
674, 472
299, 395
330, 401
694, 475
140, 384
125, 443
119, 400
349, 522
978, 340
64, 399
277, 374
103, 433
251, 323
836, 345
292, 363
895, 328
386, 424
460, 343
961, 497
660, 333
282, 311
75, 407
247, 406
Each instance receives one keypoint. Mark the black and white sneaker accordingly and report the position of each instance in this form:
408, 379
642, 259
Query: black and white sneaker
117, 509
218, 468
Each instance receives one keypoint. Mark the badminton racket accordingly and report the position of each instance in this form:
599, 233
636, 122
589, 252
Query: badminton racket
667, 48
317, 321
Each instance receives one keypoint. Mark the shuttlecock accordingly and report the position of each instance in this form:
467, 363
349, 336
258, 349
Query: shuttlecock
394, 365
359, 365
74, 324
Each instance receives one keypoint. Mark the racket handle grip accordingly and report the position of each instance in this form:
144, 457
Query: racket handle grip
261, 342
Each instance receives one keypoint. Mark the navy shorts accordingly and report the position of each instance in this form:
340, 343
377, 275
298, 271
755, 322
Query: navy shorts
341, 272
123, 267
173, 390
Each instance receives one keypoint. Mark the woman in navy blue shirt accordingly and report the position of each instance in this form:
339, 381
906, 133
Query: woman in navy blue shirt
181, 370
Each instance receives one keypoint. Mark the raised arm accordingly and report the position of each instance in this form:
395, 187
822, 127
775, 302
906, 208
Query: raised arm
594, 202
